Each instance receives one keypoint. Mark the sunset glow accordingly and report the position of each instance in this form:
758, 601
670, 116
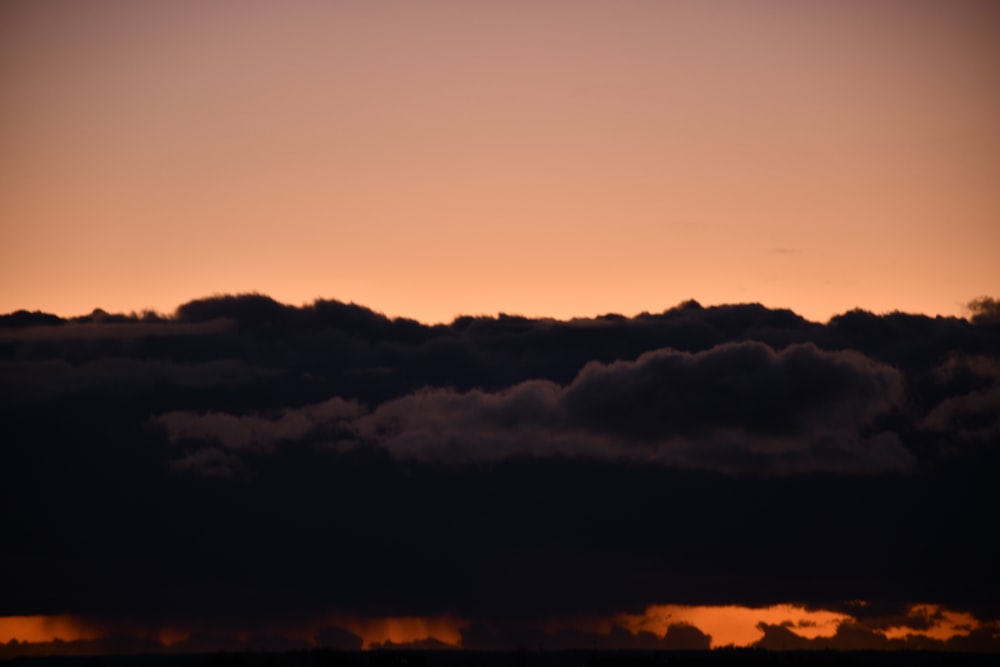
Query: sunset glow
376, 631
402, 326
44, 629
548, 159
943, 623
727, 626
735, 625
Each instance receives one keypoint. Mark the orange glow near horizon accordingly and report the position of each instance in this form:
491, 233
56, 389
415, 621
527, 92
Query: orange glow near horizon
727, 625
45, 628
949, 624
731, 625
373, 631
737, 626
68, 628
401, 630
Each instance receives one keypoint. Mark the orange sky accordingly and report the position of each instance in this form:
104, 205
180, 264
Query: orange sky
734, 625
544, 158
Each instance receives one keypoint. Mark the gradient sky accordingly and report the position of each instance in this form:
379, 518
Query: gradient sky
546, 158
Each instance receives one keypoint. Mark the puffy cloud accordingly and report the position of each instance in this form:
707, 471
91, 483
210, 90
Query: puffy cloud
969, 408
747, 386
747, 407
738, 407
476, 427
255, 432
974, 416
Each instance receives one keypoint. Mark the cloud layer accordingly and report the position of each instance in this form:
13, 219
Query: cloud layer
735, 408
244, 460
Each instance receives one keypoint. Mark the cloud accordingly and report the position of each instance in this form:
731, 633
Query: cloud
738, 407
745, 406
685, 637
974, 416
112, 644
968, 411
338, 638
424, 644
249, 463
677, 637
747, 386
860, 636
985, 311
254, 432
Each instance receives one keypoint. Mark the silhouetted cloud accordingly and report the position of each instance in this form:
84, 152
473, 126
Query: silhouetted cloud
858, 636
970, 412
113, 644
338, 638
985, 310
425, 644
685, 637
254, 462
254, 432
738, 407
678, 637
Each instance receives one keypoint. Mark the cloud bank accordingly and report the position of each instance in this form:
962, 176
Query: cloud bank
245, 461
735, 408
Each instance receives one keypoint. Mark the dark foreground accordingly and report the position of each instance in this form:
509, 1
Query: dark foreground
327, 658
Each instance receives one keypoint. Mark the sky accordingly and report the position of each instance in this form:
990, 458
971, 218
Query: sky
549, 158
461, 324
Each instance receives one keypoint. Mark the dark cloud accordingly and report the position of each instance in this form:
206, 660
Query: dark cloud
248, 462
338, 638
985, 311
685, 637
678, 637
798, 409
969, 411
255, 432
736, 408
110, 645
425, 644
858, 636
974, 416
